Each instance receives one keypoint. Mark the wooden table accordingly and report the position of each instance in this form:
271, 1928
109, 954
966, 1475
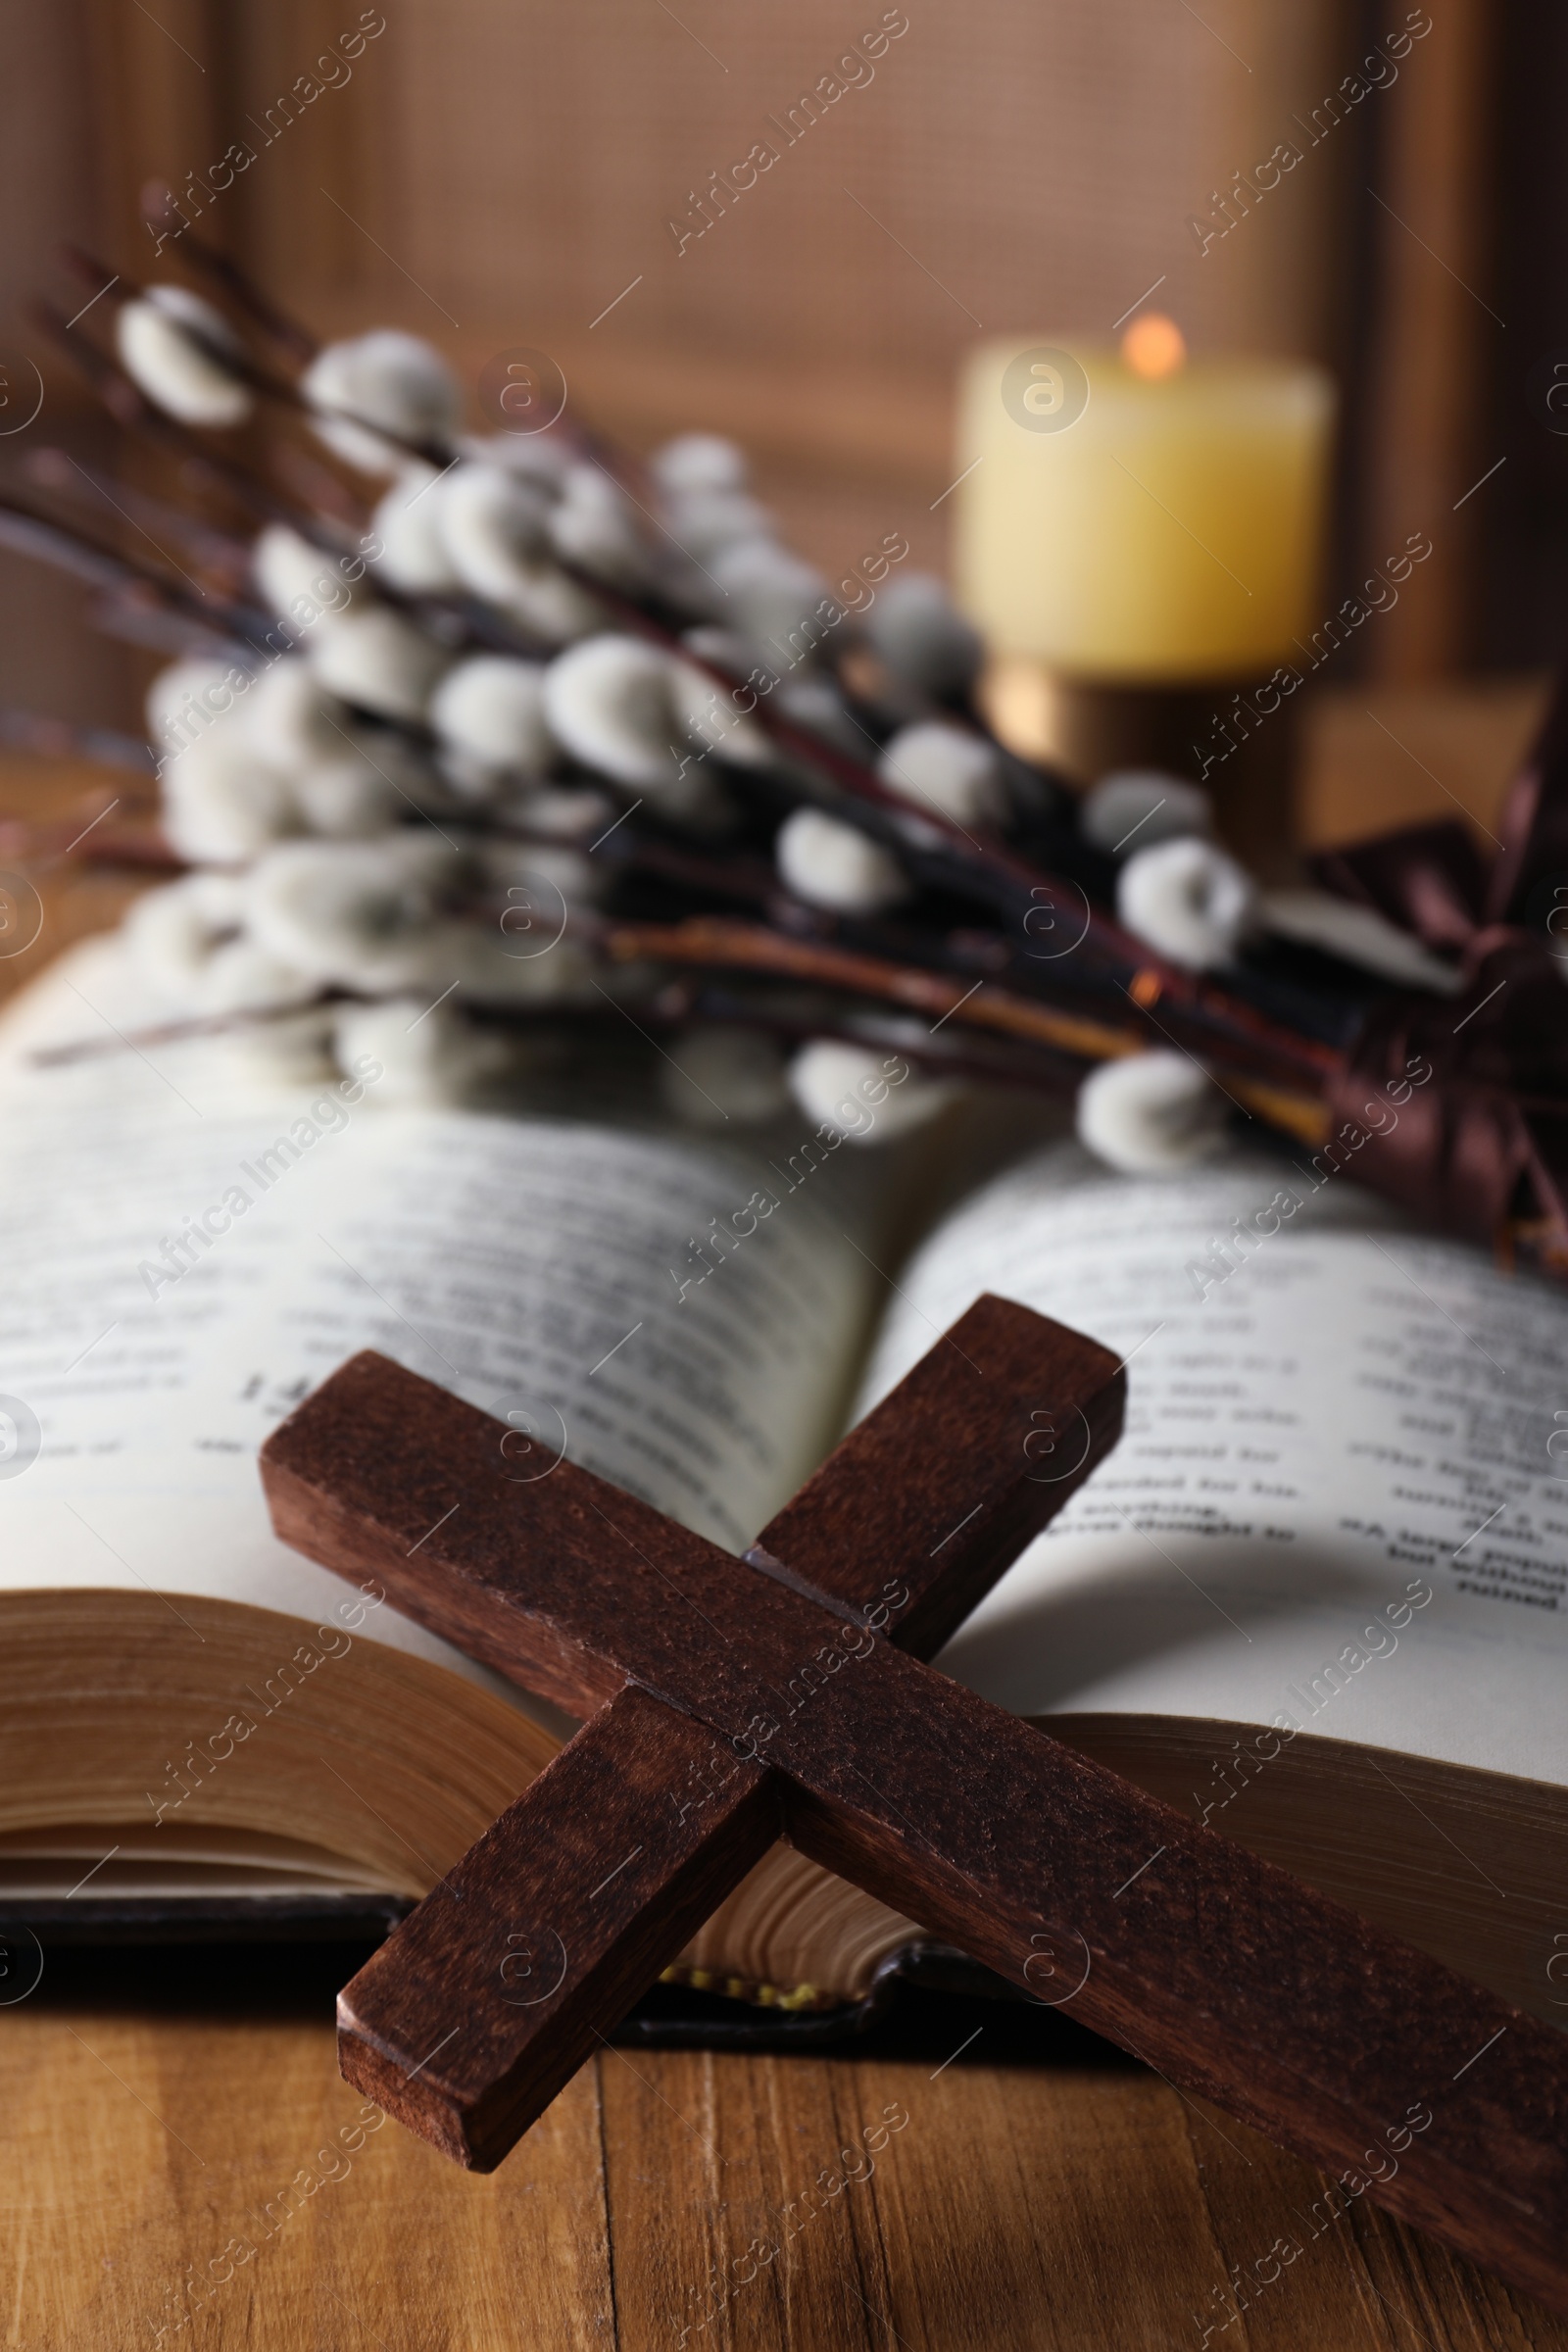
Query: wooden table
1051, 2208
181, 2156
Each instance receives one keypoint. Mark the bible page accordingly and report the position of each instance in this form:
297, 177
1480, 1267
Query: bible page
1341, 1502
190, 1254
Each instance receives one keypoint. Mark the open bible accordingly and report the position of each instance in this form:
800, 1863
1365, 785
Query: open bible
1316, 1597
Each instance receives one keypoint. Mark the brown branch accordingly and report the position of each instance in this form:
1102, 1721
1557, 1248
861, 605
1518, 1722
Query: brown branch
156, 196
724, 943
733, 946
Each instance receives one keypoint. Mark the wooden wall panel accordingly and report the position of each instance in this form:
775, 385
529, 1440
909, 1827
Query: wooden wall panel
1435, 340
500, 174
1016, 167
159, 82
51, 186
505, 172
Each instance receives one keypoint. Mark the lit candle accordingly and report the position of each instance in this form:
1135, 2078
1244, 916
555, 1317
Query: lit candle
1135, 517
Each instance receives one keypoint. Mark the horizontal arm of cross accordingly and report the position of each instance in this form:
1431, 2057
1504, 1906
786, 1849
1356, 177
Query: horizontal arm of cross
909, 1522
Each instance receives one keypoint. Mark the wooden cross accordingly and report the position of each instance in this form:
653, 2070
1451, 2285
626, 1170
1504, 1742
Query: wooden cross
730, 1703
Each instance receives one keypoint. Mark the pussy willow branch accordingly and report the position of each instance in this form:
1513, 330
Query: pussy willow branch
223, 616
157, 198
935, 851
1114, 954
804, 932
220, 473
66, 548
972, 956
715, 941
235, 362
934, 848
302, 346
224, 555
323, 527
59, 738
965, 1057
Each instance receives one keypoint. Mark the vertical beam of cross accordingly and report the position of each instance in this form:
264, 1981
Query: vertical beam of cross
936, 1493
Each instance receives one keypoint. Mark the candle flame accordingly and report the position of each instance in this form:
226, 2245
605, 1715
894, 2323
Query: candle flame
1153, 346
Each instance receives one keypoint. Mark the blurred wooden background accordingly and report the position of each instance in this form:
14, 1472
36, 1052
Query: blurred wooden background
499, 173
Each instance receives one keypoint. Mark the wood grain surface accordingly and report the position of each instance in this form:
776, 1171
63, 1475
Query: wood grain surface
1079, 2206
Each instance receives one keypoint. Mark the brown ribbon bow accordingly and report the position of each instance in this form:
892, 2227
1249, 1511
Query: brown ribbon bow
1478, 1082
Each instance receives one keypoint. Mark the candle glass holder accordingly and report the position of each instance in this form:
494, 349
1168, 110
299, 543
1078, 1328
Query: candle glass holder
1236, 738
